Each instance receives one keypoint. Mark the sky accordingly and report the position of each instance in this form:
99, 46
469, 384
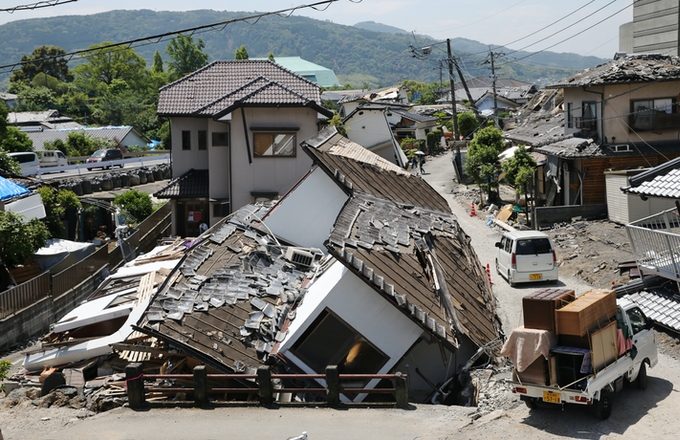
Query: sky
585, 27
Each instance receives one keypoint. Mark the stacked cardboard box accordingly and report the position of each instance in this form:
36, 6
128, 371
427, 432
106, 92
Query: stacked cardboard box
589, 312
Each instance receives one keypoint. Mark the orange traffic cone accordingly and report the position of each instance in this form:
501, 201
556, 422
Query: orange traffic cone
473, 213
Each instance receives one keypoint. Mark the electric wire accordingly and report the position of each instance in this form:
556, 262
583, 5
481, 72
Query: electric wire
319, 6
38, 5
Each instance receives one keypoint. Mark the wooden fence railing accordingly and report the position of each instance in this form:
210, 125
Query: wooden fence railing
198, 385
24, 295
79, 272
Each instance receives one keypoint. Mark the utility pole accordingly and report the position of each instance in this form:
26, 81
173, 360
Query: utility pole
492, 55
453, 92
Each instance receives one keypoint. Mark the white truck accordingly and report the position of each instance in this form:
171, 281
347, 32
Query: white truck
596, 389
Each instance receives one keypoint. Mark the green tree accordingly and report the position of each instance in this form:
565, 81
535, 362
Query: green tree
467, 123
4, 369
19, 239
13, 140
185, 55
482, 159
9, 164
102, 67
241, 53
270, 57
48, 60
56, 203
519, 169
157, 63
80, 144
137, 203
33, 99
420, 92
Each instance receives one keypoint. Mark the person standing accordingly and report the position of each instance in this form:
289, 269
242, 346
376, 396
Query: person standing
421, 161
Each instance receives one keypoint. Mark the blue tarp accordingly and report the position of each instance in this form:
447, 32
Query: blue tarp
9, 189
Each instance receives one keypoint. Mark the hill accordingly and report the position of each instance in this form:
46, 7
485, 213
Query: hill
359, 56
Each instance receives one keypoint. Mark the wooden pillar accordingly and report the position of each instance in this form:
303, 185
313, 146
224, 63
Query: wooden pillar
401, 387
200, 385
134, 380
332, 385
264, 377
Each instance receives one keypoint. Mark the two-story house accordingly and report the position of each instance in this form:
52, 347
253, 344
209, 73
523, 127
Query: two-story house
235, 130
622, 114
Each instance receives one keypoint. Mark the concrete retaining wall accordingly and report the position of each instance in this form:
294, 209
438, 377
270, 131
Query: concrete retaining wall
548, 215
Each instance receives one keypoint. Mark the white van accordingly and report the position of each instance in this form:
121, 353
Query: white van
526, 256
53, 158
28, 161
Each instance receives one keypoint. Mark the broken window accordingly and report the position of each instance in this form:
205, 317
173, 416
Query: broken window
652, 114
589, 116
274, 144
330, 341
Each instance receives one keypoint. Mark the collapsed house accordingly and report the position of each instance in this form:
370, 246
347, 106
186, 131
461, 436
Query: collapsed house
360, 265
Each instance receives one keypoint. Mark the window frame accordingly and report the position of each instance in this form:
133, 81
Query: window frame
216, 140
646, 119
202, 140
186, 140
273, 134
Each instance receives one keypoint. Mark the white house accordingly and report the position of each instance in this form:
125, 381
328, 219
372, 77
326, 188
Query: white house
236, 127
370, 126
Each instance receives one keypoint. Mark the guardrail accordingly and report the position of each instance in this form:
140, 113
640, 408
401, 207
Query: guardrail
263, 385
24, 295
655, 241
165, 157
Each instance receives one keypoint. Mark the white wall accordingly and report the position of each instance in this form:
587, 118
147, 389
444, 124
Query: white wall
307, 214
184, 160
624, 208
368, 128
264, 173
359, 306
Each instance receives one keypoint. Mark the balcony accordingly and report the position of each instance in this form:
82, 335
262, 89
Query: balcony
586, 124
655, 241
652, 120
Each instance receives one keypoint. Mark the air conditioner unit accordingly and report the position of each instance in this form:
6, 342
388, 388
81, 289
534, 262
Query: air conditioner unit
299, 256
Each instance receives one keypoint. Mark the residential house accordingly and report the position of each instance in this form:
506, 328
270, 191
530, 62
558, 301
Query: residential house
10, 99
17, 198
315, 73
121, 137
360, 265
235, 131
619, 115
389, 96
370, 126
655, 241
42, 120
408, 124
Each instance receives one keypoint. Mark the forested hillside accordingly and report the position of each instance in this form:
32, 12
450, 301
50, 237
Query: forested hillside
358, 56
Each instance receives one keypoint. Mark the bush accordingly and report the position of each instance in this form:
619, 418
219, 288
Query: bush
434, 141
136, 203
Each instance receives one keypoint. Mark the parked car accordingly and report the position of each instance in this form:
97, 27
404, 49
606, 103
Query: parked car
28, 161
526, 256
53, 158
104, 155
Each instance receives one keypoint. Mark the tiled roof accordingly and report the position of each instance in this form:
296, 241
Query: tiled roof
360, 170
412, 116
538, 130
193, 183
420, 261
222, 85
229, 297
115, 134
660, 305
626, 69
660, 181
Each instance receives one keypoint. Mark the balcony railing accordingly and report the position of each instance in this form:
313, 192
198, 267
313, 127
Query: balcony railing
585, 123
651, 120
655, 241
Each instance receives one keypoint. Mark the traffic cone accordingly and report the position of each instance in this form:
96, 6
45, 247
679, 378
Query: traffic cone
473, 213
488, 273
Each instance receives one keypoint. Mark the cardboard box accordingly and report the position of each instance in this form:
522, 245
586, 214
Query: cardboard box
589, 312
539, 307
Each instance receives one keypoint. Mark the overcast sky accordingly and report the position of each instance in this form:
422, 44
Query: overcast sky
518, 24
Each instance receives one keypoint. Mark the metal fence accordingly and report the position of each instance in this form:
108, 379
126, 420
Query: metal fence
655, 241
24, 295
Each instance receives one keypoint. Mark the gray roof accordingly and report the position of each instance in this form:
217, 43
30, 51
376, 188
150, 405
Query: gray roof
221, 86
192, 184
415, 117
660, 305
115, 134
626, 69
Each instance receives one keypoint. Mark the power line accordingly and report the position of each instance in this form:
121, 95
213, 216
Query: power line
155, 39
38, 5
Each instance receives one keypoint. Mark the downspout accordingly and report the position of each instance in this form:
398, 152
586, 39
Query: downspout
245, 132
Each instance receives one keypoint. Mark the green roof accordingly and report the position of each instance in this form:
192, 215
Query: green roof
313, 72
